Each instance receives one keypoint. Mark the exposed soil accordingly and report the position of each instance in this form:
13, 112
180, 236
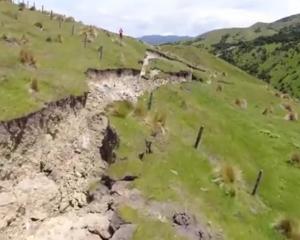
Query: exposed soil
53, 163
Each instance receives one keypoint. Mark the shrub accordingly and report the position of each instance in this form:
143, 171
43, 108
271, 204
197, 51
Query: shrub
26, 57
34, 85
33, 8
121, 109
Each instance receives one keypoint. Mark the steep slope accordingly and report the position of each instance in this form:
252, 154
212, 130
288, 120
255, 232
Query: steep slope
245, 130
44, 57
268, 51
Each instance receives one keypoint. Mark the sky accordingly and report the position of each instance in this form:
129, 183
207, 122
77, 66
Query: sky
167, 17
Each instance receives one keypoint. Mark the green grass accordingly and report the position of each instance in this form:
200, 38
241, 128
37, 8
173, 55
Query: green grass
145, 226
60, 66
232, 136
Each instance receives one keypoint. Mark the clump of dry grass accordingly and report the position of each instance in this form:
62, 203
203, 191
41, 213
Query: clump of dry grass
288, 107
219, 88
24, 39
288, 228
227, 177
121, 109
241, 103
26, 57
267, 111
60, 38
34, 85
291, 116
295, 159
158, 123
228, 174
140, 110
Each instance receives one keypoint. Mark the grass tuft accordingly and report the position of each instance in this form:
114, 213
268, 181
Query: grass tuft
241, 103
295, 159
34, 85
291, 116
26, 57
140, 110
288, 228
121, 109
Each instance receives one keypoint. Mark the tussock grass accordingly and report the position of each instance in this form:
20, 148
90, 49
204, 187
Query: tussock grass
267, 111
288, 227
241, 103
26, 57
219, 88
295, 159
34, 85
121, 109
291, 116
140, 110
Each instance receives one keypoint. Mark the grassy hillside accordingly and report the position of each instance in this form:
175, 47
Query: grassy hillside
244, 132
235, 35
268, 51
53, 58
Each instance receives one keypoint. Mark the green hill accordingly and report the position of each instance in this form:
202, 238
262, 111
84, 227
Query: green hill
55, 57
248, 126
244, 132
268, 51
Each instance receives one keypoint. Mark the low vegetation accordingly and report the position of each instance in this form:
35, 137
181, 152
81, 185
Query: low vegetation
56, 56
238, 143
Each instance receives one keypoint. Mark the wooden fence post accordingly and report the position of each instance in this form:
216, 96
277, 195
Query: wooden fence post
100, 52
60, 22
199, 137
150, 101
51, 15
85, 40
73, 29
258, 181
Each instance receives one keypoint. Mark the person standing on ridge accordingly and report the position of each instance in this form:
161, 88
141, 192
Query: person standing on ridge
121, 33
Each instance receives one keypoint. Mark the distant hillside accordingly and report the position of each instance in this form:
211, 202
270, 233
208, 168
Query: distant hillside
268, 51
159, 39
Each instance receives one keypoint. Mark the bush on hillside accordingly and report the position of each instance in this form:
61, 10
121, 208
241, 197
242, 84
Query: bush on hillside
140, 110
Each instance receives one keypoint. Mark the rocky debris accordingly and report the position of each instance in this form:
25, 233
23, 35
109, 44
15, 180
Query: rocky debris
50, 158
125, 232
188, 226
182, 219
